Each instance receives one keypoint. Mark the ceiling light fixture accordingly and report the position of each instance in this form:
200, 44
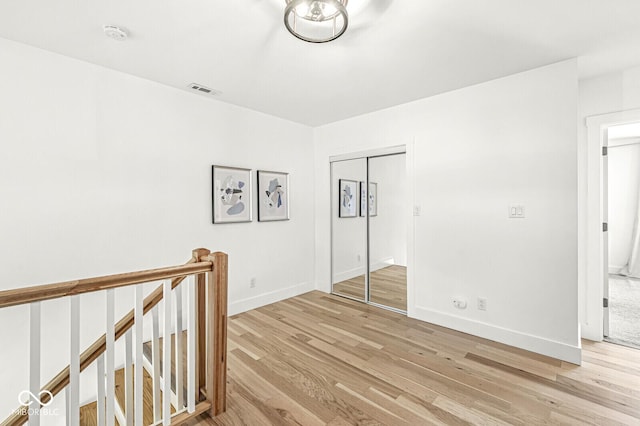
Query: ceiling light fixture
316, 21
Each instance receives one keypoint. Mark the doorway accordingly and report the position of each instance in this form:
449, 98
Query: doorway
621, 198
369, 229
594, 223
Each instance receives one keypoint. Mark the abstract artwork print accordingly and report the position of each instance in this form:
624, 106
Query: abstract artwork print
373, 199
231, 194
348, 193
273, 196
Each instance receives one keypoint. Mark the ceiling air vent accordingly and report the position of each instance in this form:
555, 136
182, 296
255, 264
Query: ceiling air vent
203, 89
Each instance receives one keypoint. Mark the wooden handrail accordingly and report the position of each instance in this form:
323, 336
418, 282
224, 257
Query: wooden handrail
72, 288
198, 264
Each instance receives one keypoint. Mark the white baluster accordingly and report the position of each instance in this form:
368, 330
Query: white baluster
34, 362
191, 344
110, 370
101, 396
74, 364
179, 354
128, 377
155, 359
138, 318
166, 355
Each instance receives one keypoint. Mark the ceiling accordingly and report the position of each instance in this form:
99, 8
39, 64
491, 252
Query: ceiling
394, 51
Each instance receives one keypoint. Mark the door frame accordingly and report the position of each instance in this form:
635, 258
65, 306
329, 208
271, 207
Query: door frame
596, 279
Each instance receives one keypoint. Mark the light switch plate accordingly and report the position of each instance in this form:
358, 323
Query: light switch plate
516, 211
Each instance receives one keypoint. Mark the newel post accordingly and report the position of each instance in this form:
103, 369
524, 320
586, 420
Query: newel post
217, 282
200, 255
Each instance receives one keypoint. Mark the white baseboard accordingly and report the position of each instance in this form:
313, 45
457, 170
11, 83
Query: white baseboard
254, 302
347, 275
382, 263
562, 351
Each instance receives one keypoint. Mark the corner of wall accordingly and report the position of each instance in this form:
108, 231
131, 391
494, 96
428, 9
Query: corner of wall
264, 299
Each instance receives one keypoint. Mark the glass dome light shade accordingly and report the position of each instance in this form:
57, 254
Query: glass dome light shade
316, 21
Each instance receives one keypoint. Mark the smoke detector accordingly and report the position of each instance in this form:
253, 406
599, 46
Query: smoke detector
203, 89
115, 32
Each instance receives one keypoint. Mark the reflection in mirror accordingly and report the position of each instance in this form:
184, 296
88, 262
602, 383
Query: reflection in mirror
349, 229
388, 231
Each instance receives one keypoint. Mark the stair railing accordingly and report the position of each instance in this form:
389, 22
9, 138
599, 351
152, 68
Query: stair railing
206, 274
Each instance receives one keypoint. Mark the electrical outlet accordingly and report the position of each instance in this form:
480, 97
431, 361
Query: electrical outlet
482, 303
252, 283
460, 304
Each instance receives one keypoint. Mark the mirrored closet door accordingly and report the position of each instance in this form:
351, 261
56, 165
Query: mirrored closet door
349, 229
369, 230
388, 206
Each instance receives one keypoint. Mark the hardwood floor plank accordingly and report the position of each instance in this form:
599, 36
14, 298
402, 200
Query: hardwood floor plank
374, 410
612, 365
343, 371
387, 286
89, 415
430, 412
535, 400
320, 359
294, 412
466, 413
600, 395
610, 379
391, 404
284, 380
621, 404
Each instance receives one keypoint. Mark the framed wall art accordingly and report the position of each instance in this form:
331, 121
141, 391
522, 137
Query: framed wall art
231, 194
348, 193
273, 196
373, 199
363, 199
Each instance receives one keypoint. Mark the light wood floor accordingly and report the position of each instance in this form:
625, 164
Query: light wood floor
319, 359
388, 287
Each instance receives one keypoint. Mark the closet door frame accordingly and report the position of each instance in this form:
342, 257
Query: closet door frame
366, 155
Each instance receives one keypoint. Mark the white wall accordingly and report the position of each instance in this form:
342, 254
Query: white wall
614, 92
102, 172
471, 153
624, 184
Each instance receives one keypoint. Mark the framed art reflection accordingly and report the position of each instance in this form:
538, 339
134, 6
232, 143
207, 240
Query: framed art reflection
348, 198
